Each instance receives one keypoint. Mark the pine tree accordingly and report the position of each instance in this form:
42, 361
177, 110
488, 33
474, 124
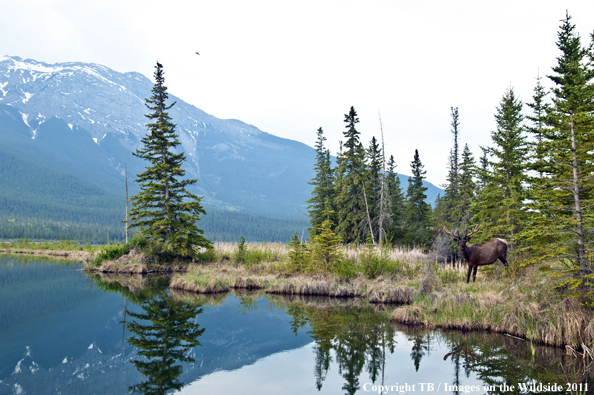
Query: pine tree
467, 186
374, 183
164, 210
539, 110
563, 196
350, 201
447, 208
452, 187
323, 183
395, 202
417, 212
326, 245
501, 206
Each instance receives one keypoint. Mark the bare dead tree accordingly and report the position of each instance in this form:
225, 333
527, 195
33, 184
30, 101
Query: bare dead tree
127, 200
368, 217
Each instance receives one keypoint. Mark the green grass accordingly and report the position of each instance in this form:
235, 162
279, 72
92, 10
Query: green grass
56, 245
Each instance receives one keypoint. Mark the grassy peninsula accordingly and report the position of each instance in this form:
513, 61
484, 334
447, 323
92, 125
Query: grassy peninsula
522, 302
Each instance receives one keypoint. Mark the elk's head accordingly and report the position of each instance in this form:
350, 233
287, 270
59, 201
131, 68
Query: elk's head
462, 240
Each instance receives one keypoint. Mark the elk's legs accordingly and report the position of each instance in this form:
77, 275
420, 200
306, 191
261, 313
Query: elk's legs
468, 274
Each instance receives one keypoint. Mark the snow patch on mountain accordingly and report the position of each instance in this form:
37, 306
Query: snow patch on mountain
25, 116
27, 96
31, 65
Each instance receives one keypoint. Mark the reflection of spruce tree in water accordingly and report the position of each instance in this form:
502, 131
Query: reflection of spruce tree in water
419, 348
322, 365
381, 338
458, 350
166, 334
350, 356
358, 337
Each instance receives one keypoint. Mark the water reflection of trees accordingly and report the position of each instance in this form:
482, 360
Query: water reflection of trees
349, 334
359, 337
497, 359
163, 332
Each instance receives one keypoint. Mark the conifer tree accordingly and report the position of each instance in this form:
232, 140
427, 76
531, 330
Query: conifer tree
452, 187
395, 202
374, 183
164, 210
350, 201
539, 111
417, 212
564, 195
467, 186
501, 207
447, 207
482, 173
323, 182
326, 244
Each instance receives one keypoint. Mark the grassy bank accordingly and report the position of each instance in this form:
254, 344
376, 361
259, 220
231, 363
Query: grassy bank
59, 249
522, 302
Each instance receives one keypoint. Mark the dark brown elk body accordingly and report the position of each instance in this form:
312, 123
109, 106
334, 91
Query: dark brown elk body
479, 255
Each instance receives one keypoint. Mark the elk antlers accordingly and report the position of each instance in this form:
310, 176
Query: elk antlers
457, 233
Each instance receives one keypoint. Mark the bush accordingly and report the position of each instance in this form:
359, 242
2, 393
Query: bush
299, 255
210, 255
114, 251
111, 252
240, 253
345, 268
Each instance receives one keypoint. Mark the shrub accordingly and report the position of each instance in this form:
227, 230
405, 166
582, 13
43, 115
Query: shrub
210, 255
111, 252
345, 268
241, 249
299, 255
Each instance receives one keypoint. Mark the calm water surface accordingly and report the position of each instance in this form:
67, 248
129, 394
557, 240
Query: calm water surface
63, 332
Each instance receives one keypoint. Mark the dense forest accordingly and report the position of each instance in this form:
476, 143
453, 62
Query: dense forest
217, 226
532, 185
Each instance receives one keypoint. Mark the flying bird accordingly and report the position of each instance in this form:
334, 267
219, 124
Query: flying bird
197, 53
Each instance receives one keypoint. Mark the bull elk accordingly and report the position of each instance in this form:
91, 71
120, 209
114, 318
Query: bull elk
479, 255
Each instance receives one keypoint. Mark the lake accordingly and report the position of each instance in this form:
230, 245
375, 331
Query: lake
65, 332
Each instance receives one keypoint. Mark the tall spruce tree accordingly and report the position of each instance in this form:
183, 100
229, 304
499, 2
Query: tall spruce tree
164, 210
323, 193
395, 202
417, 212
452, 188
501, 208
447, 206
564, 195
351, 173
466, 186
540, 108
374, 183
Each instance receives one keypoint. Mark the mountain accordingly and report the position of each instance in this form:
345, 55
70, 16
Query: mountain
73, 106
83, 120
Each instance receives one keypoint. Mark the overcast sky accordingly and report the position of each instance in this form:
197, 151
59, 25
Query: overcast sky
289, 68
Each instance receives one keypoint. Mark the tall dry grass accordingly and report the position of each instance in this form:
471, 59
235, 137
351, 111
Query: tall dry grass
522, 303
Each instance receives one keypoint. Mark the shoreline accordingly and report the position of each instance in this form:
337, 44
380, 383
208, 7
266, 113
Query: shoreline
467, 307
526, 307
83, 256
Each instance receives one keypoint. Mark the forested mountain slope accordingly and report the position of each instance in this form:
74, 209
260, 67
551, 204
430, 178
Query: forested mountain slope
68, 129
